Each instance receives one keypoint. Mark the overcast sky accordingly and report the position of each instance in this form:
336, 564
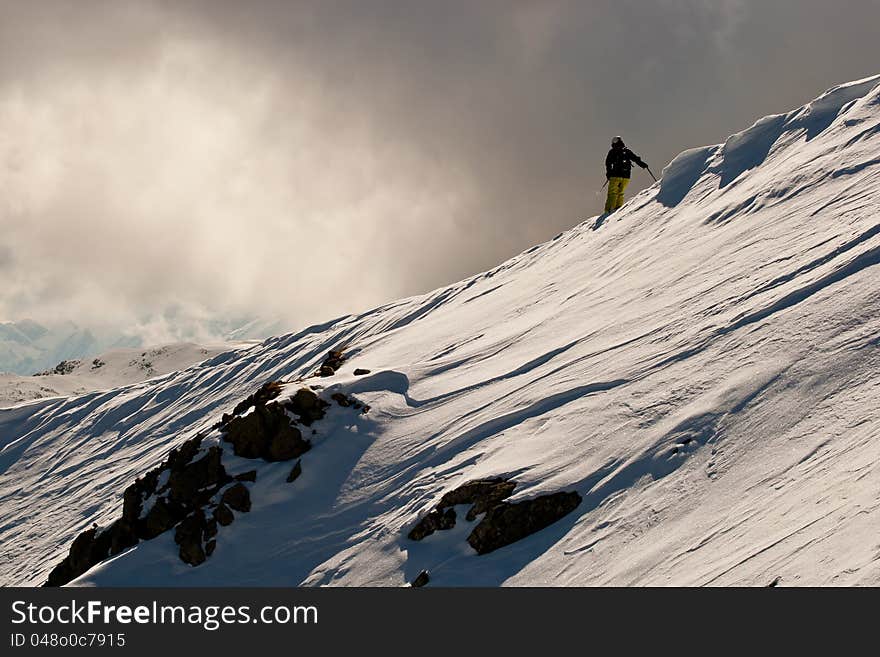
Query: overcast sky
308, 159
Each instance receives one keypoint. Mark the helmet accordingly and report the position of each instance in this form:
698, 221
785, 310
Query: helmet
617, 140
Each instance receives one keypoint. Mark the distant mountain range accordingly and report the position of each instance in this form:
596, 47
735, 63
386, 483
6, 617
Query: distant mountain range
28, 347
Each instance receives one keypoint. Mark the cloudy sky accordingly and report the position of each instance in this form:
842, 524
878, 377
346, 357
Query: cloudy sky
302, 160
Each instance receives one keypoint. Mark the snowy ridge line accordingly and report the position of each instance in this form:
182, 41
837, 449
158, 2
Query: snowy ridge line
708, 386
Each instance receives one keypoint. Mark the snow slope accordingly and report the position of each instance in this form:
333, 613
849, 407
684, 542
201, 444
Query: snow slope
115, 368
702, 369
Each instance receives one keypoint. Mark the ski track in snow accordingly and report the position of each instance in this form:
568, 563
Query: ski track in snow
702, 367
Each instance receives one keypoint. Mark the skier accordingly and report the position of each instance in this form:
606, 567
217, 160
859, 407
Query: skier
618, 165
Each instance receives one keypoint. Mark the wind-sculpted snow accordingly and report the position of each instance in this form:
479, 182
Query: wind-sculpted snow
701, 369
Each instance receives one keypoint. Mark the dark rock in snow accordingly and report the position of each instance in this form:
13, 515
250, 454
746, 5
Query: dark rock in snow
435, 520
340, 399
189, 535
122, 536
247, 435
421, 580
307, 406
223, 515
333, 361
180, 456
266, 393
481, 493
266, 433
286, 444
295, 472
210, 527
250, 475
237, 497
508, 522
197, 479
161, 517
361, 372
81, 556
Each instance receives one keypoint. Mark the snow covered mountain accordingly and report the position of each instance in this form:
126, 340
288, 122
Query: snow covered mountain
27, 347
115, 368
695, 376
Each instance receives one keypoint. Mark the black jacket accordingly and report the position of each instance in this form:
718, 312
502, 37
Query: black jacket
618, 164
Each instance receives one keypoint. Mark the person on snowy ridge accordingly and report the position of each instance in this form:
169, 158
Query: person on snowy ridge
618, 167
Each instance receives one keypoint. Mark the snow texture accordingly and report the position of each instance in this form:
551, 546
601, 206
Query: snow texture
702, 369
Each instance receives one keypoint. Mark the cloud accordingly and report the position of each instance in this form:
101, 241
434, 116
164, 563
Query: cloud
167, 163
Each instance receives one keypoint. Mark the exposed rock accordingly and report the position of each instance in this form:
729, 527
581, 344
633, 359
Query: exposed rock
223, 515
286, 444
79, 559
64, 367
435, 520
189, 485
266, 393
195, 483
266, 433
340, 399
189, 535
122, 536
307, 406
421, 580
360, 372
508, 522
180, 456
295, 472
210, 527
481, 493
247, 435
237, 497
161, 517
333, 361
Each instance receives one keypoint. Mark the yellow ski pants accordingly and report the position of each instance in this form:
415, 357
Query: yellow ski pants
616, 187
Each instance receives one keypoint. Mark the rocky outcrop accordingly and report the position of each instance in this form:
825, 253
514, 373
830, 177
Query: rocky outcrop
64, 367
361, 372
266, 433
481, 494
434, 521
191, 492
421, 580
193, 534
237, 497
189, 485
507, 522
307, 406
334, 360
266, 393
223, 515
503, 522
295, 472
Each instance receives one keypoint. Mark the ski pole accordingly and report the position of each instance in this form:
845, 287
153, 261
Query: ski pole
652, 173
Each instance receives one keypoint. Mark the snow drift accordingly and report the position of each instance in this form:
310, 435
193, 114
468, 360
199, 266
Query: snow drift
702, 370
